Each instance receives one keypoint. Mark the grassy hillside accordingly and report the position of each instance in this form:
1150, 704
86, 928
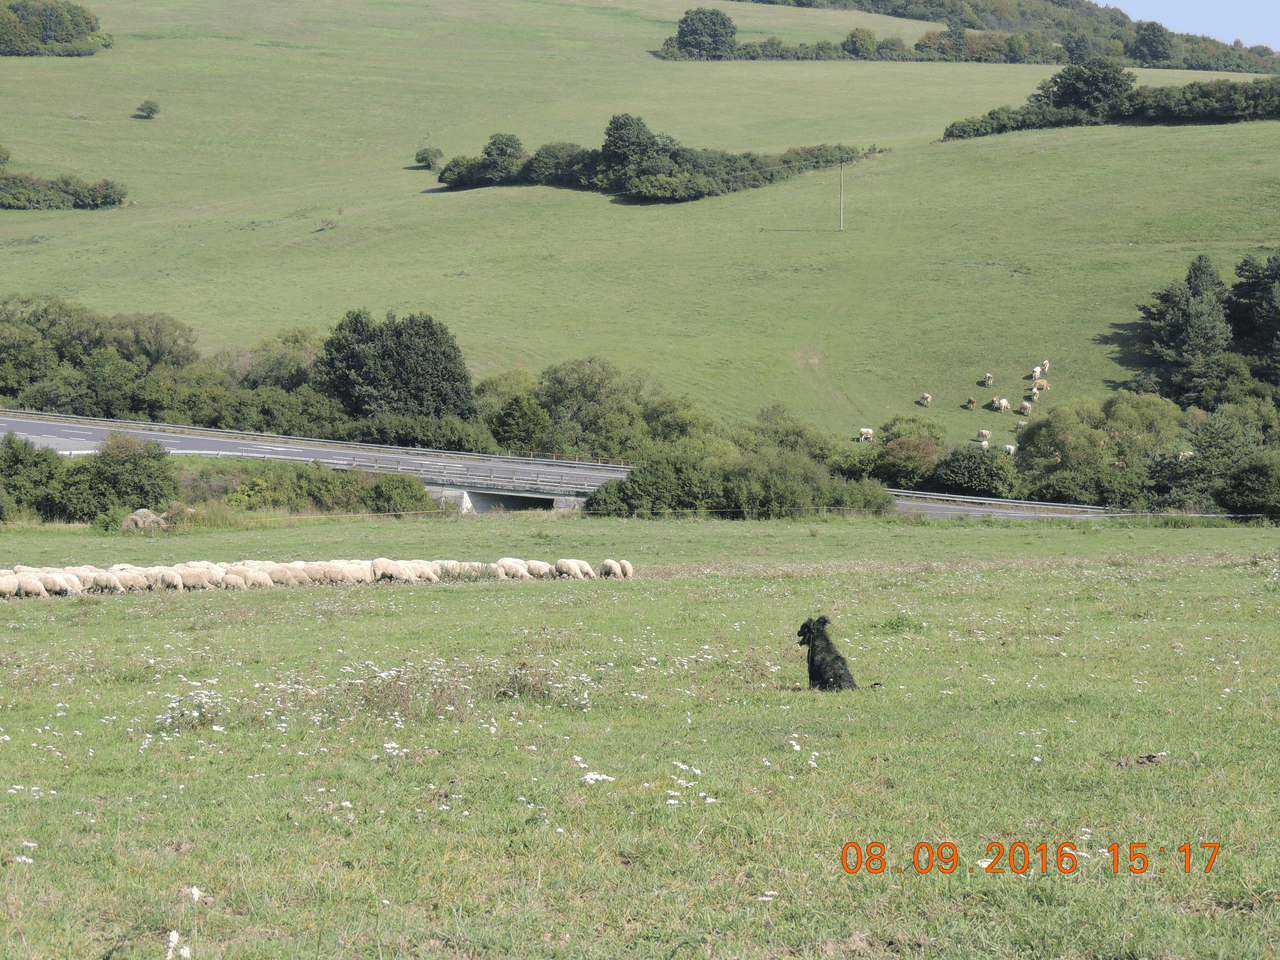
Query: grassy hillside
956, 260
360, 780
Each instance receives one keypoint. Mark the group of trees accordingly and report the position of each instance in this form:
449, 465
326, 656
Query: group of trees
708, 34
1078, 29
33, 28
1101, 91
637, 163
24, 191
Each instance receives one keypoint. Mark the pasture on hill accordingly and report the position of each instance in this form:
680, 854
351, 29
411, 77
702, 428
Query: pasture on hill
637, 768
957, 259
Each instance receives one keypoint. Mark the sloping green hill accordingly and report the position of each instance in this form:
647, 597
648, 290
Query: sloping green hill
957, 259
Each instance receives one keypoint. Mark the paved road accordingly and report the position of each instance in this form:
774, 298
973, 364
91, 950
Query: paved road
470, 471
547, 479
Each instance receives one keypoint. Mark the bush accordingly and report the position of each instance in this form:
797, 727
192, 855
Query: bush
428, 157
148, 109
399, 495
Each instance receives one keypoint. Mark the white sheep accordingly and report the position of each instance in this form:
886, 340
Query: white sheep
586, 569
1022, 425
610, 568
569, 569
991, 380
984, 434
30, 586
1011, 448
985, 445
8, 586
1035, 393
1041, 384
1025, 409
926, 399
1035, 373
627, 570
866, 433
1045, 366
1004, 405
540, 569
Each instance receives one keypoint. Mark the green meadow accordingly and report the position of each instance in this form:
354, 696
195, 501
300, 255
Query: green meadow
957, 259
637, 768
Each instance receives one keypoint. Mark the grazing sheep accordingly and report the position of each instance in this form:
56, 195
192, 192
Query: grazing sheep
973, 403
1011, 449
384, 569
866, 433
1022, 425
30, 586
627, 570
232, 582
569, 569
1035, 393
448, 568
513, 569
1040, 385
541, 570
107, 583
1186, 454
926, 399
991, 380
1025, 409
610, 568
586, 569
425, 570
251, 577
828, 670
1004, 405
985, 444
8, 586
984, 434
1045, 366
1035, 373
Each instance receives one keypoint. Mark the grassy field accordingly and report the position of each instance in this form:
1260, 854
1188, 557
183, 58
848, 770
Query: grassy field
957, 259
404, 771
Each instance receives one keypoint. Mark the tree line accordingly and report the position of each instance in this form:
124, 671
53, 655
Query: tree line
1078, 28
25, 191
50, 28
1101, 91
635, 162
709, 34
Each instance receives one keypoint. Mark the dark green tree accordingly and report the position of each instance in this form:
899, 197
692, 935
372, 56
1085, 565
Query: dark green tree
706, 34
1096, 86
523, 425
1154, 44
410, 365
972, 471
148, 108
1254, 486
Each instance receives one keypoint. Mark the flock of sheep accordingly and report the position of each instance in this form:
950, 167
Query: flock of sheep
24, 581
998, 404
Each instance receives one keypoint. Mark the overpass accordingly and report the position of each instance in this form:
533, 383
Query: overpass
475, 482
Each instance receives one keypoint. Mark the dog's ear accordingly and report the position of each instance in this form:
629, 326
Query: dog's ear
823, 620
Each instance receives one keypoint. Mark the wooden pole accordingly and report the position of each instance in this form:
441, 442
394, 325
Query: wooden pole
842, 196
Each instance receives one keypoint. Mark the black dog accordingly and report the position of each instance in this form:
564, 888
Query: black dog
828, 670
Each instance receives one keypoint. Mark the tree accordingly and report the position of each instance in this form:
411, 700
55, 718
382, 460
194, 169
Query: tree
411, 365
523, 425
1188, 329
148, 108
4, 155
707, 34
1254, 486
1096, 86
1154, 44
861, 43
501, 158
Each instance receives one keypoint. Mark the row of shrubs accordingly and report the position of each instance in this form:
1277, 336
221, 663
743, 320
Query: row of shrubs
637, 163
57, 28
25, 191
1084, 100
127, 473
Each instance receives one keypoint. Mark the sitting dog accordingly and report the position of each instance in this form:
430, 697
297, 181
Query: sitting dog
828, 670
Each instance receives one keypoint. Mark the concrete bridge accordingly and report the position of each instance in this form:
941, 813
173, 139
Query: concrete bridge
475, 482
